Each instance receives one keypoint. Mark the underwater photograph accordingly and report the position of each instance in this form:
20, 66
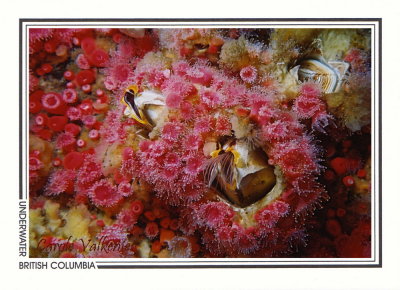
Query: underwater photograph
200, 142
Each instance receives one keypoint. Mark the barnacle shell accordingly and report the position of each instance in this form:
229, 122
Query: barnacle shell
152, 104
328, 75
240, 126
254, 177
246, 214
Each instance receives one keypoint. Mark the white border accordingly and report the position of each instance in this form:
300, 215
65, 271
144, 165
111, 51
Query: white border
233, 262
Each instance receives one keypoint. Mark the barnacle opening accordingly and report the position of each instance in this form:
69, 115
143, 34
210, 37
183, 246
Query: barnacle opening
328, 74
240, 174
147, 107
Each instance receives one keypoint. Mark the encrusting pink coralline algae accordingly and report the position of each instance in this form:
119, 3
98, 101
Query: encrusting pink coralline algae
195, 143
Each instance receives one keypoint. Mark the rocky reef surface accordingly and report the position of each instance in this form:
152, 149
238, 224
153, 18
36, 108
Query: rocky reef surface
197, 143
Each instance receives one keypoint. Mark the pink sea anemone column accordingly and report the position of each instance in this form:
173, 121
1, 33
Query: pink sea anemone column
178, 177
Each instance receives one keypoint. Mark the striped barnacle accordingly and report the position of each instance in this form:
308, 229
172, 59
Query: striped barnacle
327, 74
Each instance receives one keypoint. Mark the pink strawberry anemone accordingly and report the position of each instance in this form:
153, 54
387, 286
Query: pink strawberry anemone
192, 143
173, 161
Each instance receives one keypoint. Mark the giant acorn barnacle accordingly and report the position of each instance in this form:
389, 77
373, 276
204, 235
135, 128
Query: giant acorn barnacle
241, 173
